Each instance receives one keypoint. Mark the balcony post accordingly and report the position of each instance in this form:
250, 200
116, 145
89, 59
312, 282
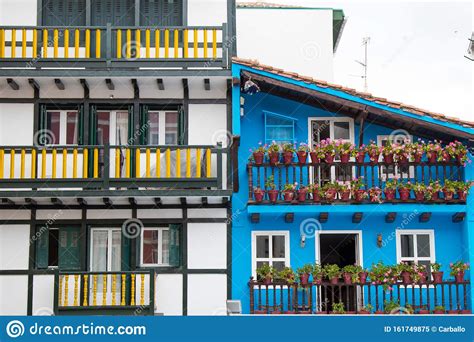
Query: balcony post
219, 165
56, 292
108, 44
151, 301
225, 46
106, 175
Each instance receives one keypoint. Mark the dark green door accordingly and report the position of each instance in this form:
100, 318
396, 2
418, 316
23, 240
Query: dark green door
69, 248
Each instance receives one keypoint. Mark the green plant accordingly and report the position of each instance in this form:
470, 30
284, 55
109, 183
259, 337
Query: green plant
439, 308
389, 148
286, 274
457, 150
449, 186
344, 147
290, 187
354, 271
265, 272
382, 274
391, 306
433, 188
288, 147
357, 183
435, 267
317, 272
458, 267
367, 308
391, 184
261, 148
372, 148
462, 186
328, 146
303, 147
434, 148
338, 308
405, 186
319, 151
419, 187
416, 148
273, 148
332, 271
270, 183
305, 269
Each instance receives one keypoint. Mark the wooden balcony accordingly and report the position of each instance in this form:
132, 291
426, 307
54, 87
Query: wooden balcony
281, 298
112, 167
114, 46
105, 293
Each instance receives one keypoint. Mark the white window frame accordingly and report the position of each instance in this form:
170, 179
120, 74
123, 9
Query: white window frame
162, 124
411, 169
109, 245
415, 232
270, 259
160, 246
63, 124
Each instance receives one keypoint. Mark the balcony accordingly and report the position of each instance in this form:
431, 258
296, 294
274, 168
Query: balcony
360, 298
126, 293
146, 169
114, 46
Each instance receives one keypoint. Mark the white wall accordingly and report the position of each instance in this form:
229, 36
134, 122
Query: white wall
207, 245
207, 294
13, 294
18, 12
43, 295
207, 123
14, 246
297, 40
16, 123
169, 294
207, 12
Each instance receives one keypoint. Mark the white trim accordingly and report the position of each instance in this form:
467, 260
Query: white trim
160, 246
63, 124
331, 120
270, 233
359, 247
415, 232
411, 169
162, 124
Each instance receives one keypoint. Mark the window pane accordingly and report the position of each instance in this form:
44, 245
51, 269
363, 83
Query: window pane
171, 128
122, 129
276, 120
103, 124
406, 242
52, 124
116, 250
165, 247
278, 246
262, 247
279, 265
320, 131
153, 128
99, 250
423, 245
72, 124
53, 247
341, 130
427, 265
150, 246
282, 134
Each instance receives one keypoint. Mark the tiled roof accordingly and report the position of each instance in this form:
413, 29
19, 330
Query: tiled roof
367, 96
261, 4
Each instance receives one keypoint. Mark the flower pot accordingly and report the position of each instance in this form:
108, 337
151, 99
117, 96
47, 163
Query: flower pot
345, 195
432, 158
406, 277
260, 312
275, 312
314, 158
417, 157
459, 277
447, 157
359, 195
347, 278
379, 312
389, 194
363, 277
404, 194
439, 312
423, 278
267, 281
330, 195
273, 195
419, 196
374, 157
435, 196
329, 158
287, 158
334, 281
448, 195
273, 157
317, 281
258, 196
459, 159
423, 312
316, 197
360, 157
301, 195
364, 312
462, 195
437, 277
402, 159
288, 195
388, 158
465, 312
304, 279
305, 312
345, 157
258, 158
321, 313
290, 312
452, 312
374, 197
302, 156
350, 312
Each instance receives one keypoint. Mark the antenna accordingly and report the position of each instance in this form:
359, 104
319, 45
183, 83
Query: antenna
365, 42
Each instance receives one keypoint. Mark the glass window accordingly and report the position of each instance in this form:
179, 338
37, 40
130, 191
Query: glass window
277, 243
153, 128
279, 128
407, 245
53, 125
171, 128
416, 247
72, 128
162, 134
341, 130
150, 246
155, 246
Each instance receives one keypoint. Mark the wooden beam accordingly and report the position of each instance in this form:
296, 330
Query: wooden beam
59, 84
84, 84
289, 217
357, 217
323, 217
459, 217
81, 201
13, 84
56, 201
183, 201
255, 218
236, 81
161, 85
132, 201
108, 202
390, 217
425, 217
110, 84
363, 116
136, 88
204, 201
157, 201
207, 84
7, 201
33, 83
30, 201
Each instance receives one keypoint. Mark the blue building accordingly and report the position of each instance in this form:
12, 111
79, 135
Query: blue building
285, 107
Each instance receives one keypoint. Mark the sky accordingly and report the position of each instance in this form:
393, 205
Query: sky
415, 55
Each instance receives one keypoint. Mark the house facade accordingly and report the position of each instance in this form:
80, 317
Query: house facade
114, 156
278, 107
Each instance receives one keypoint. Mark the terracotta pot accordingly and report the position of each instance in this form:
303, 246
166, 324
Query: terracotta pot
290, 312
305, 312
260, 312
459, 158
364, 312
363, 277
388, 158
258, 158
423, 278
402, 159
273, 195
334, 281
317, 281
389, 194
288, 196
276, 312
465, 312
406, 277
462, 195
304, 279
374, 197
273, 157
459, 277
345, 195
314, 158
439, 312
419, 196
448, 195
404, 194
417, 157
435, 196
302, 156
452, 312
329, 158
447, 157
432, 158
374, 157
379, 312
301, 195
287, 158
360, 157
316, 197
347, 278
423, 312
330, 195
267, 281
359, 195
345, 157
258, 196
437, 277
321, 312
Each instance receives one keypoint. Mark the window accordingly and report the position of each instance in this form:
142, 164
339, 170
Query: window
279, 128
270, 248
416, 246
162, 128
391, 171
58, 247
62, 127
160, 246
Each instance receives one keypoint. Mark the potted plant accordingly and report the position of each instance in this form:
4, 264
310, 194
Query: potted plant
457, 270
366, 310
338, 308
258, 193
330, 191
391, 307
405, 271
317, 274
423, 310
329, 148
259, 153
363, 274
432, 191
388, 151
381, 274
350, 274
265, 273
462, 189
404, 190
301, 193
419, 273
436, 273
420, 190
390, 189
345, 150
434, 152
375, 194
287, 274
304, 272
288, 153
272, 192
359, 154
316, 154
289, 192
439, 310
332, 272
373, 151
273, 152
416, 150
448, 190
356, 185
302, 153
457, 151
402, 152
344, 191
316, 192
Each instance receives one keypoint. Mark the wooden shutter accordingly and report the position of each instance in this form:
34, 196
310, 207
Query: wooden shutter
144, 125
69, 248
80, 113
175, 252
181, 126
42, 247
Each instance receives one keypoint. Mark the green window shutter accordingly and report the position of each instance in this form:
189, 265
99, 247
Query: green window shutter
144, 125
69, 248
181, 126
80, 111
42, 244
175, 252
93, 125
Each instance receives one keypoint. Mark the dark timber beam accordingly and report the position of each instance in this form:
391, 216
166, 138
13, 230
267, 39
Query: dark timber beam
13, 84
363, 116
108, 202
425, 217
136, 88
390, 217
81, 201
204, 201
30, 201
132, 201
459, 217
255, 218
289, 217
157, 201
56, 201
207, 84
161, 85
236, 81
110, 84
357, 217
323, 217
85, 85
183, 201
59, 84
7, 201
34, 84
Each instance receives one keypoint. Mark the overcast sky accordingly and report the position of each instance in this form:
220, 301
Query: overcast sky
416, 52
